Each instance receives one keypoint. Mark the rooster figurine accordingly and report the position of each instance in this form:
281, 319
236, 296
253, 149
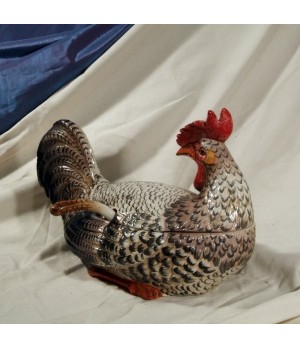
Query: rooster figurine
152, 239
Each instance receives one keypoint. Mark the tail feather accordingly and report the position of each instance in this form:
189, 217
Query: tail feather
65, 163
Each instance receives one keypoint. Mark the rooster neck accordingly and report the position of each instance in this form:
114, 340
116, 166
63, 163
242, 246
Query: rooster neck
223, 175
224, 201
225, 178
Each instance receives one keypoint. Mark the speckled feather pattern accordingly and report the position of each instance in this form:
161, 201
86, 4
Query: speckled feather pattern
181, 242
224, 203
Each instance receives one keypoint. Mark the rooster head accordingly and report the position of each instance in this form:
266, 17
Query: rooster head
190, 140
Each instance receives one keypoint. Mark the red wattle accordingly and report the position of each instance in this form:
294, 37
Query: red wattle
201, 176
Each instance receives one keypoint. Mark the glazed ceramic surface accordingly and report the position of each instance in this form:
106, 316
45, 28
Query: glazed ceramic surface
178, 241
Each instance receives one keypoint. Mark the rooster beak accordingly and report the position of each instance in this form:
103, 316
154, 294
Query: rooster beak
190, 151
187, 150
210, 157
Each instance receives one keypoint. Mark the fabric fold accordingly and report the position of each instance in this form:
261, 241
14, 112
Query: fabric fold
131, 103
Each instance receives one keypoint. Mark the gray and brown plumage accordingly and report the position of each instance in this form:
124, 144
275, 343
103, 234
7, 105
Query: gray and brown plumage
149, 237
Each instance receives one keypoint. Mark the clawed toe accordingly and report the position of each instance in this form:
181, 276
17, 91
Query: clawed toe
145, 291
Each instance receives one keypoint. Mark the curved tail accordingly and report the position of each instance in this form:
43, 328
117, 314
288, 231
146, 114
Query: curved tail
65, 163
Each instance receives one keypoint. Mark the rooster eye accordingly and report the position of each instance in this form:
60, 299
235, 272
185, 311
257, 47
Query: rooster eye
202, 152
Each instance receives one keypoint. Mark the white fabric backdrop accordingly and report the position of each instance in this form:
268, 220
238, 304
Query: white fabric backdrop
131, 104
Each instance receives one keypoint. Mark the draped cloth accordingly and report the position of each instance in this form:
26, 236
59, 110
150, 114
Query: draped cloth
37, 60
131, 103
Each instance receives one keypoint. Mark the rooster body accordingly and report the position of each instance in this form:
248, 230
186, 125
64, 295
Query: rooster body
172, 239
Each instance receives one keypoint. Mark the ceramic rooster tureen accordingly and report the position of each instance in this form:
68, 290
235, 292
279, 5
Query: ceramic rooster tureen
147, 237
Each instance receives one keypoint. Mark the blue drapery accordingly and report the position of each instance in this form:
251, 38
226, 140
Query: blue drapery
37, 60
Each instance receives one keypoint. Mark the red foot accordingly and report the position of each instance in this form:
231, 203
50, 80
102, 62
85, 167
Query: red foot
145, 291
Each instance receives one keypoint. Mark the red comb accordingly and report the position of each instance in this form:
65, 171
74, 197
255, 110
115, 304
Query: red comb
212, 128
